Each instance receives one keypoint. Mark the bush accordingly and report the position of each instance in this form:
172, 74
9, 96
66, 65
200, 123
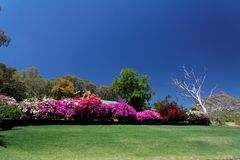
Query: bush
197, 117
88, 108
171, 112
148, 115
123, 111
7, 100
29, 109
9, 115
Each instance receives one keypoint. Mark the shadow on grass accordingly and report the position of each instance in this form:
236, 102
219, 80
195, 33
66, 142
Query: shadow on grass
2, 143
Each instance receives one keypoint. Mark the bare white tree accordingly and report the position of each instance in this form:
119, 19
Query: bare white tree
191, 85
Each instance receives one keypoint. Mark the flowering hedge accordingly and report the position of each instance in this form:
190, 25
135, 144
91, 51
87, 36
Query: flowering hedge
123, 111
81, 109
148, 115
91, 108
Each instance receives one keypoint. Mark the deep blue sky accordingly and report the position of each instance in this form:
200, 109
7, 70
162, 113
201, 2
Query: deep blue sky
94, 39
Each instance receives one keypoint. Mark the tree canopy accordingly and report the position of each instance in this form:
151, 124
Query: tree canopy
63, 88
133, 87
4, 39
9, 85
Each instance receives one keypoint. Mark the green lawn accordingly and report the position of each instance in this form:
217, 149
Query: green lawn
120, 142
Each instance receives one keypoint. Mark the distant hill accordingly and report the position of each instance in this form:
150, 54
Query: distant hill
222, 101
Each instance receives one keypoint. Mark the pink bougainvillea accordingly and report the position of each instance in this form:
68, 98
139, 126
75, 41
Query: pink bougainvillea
123, 111
148, 115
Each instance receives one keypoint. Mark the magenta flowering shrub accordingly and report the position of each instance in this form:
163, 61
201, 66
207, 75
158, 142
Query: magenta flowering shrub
55, 109
48, 109
105, 112
148, 115
65, 108
7, 100
123, 111
87, 109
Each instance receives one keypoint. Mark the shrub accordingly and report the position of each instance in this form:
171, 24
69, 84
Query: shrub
50, 110
9, 115
123, 111
29, 109
197, 117
148, 115
65, 108
88, 108
171, 112
7, 100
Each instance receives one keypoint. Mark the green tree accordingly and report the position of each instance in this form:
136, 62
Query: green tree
107, 93
36, 85
9, 85
63, 88
81, 85
4, 39
133, 87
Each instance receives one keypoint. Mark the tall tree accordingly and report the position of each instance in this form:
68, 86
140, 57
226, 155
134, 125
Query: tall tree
36, 85
9, 85
191, 84
133, 87
62, 89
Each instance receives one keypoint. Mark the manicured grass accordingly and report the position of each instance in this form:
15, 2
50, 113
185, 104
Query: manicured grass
120, 142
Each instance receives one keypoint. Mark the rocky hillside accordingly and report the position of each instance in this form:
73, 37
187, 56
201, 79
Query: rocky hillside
222, 101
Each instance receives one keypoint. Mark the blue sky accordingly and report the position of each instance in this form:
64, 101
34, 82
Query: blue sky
95, 39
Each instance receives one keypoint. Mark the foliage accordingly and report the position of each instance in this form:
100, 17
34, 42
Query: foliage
133, 87
62, 89
170, 111
36, 86
80, 85
148, 115
107, 93
9, 113
10, 86
4, 39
